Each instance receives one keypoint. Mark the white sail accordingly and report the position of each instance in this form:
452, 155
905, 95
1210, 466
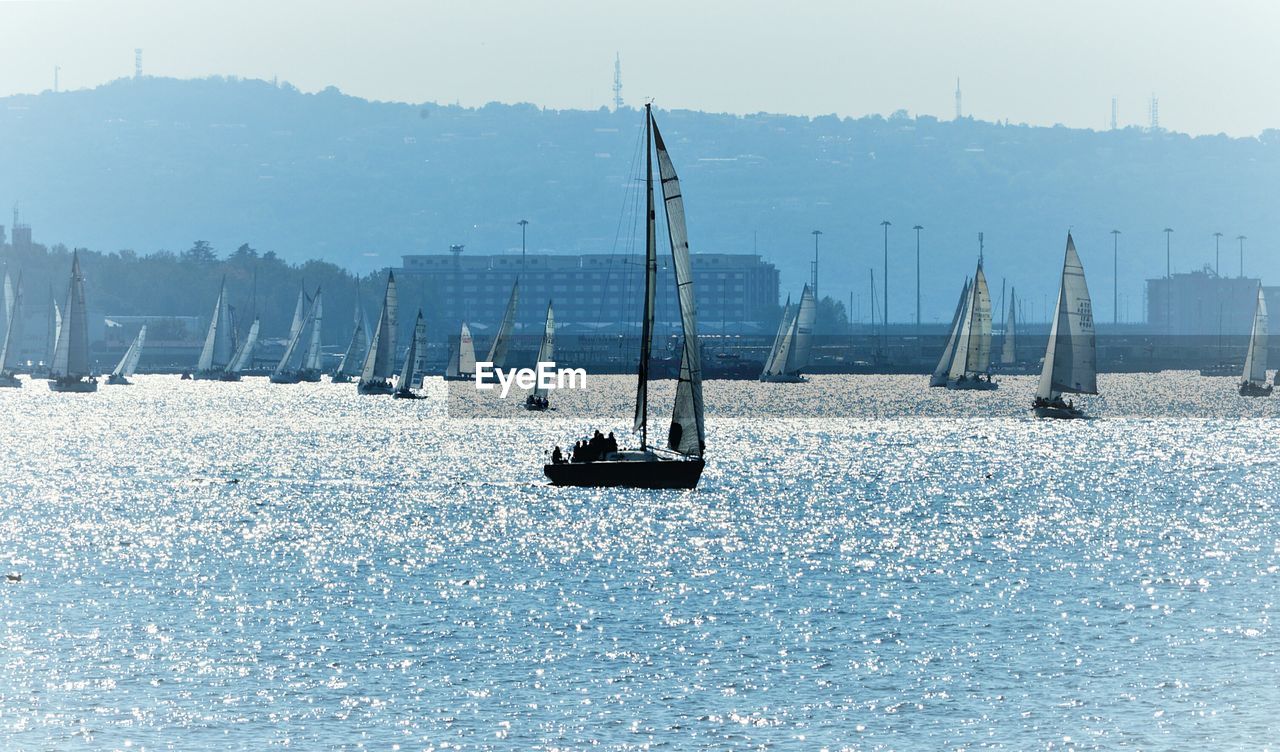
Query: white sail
9, 302
687, 434
1070, 361
245, 354
802, 334
1009, 343
12, 332
295, 340
1255, 362
547, 348
311, 361
379, 361
129, 363
781, 350
359, 340
943, 369
466, 352
973, 354
71, 355
54, 327
498, 350
409, 373
218, 346
299, 315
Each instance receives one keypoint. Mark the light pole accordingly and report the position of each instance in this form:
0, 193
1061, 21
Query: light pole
815, 234
918, 228
1241, 238
1115, 276
1168, 275
524, 223
885, 224
1217, 266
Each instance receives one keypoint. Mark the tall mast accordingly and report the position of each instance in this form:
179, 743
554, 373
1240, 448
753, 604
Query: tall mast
650, 273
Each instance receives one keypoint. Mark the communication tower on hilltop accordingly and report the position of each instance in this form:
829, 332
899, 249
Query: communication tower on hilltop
137, 62
1115, 113
1154, 111
959, 111
617, 82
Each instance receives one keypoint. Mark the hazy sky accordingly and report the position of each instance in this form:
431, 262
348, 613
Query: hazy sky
1211, 64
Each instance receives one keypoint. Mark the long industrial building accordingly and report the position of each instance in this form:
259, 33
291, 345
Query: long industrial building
592, 292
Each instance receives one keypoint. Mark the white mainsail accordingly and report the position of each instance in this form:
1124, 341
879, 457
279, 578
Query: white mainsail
359, 340
312, 360
1008, 343
409, 373
466, 352
9, 346
687, 434
295, 339
777, 361
943, 369
973, 353
546, 349
71, 355
218, 344
379, 361
129, 362
501, 342
1255, 362
802, 334
245, 354
9, 301
55, 326
1070, 361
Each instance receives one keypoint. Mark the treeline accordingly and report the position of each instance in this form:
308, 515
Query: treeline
186, 283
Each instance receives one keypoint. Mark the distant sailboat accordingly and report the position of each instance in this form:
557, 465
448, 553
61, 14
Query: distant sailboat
12, 334
295, 364
353, 357
502, 341
410, 373
971, 363
379, 361
1255, 361
793, 343
1009, 341
680, 464
244, 355
1070, 360
70, 370
129, 363
539, 400
942, 372
54, 324
219, 340
462, 362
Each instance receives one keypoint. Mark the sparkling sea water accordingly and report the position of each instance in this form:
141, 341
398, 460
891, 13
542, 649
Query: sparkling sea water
867, 564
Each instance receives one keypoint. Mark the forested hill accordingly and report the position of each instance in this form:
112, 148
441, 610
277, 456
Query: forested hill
154, 164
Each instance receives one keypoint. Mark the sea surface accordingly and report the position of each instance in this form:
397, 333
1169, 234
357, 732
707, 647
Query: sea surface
867, 564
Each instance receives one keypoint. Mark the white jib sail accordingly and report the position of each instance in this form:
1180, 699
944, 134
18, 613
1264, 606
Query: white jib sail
943, 369
498, 350
1255, 362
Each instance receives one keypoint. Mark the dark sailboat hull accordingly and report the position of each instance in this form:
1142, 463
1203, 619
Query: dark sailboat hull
972, 384
375, 387
309, 376
115, 380
9, 381
73, 385
1250, 389
340, 378
647, 473
290, 377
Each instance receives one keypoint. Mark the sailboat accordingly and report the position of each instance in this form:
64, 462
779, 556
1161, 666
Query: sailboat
971, 363
379, 361
51, 338
501, 342
129, 363
1008, 340
12, 334
942, 372
310, 371
1070, 360
244, 354
353, 356
70, 370
680, 463
793, 343
219, 340
1255, 361
293, 367
546, 354
462, 362
411, 372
